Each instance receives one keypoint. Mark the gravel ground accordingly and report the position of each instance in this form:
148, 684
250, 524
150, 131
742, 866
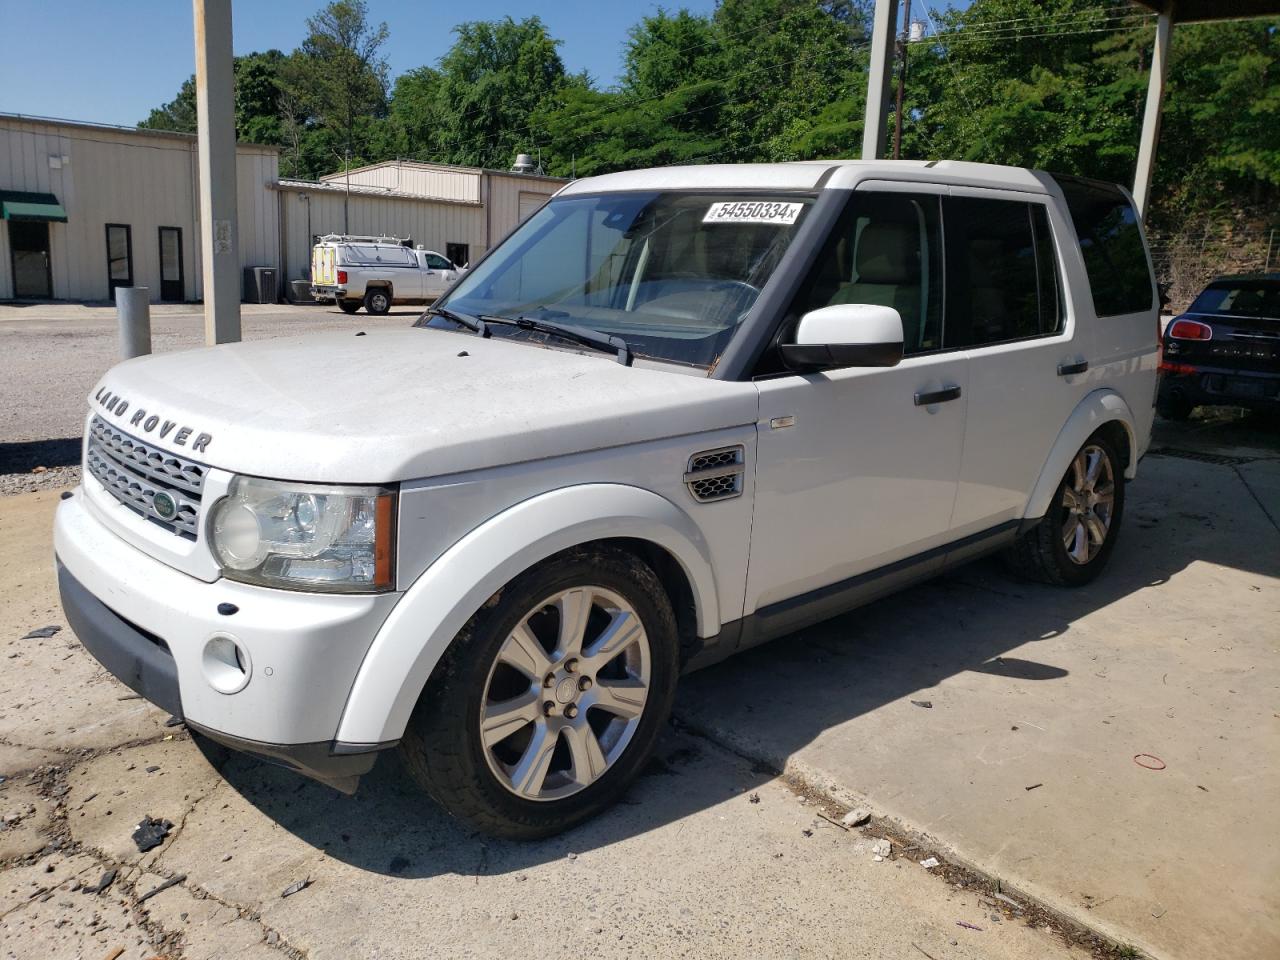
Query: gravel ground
55, 353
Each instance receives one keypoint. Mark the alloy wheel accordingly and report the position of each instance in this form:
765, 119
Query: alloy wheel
565, 693
1088, 502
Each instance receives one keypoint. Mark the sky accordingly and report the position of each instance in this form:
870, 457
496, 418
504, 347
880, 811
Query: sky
111, 62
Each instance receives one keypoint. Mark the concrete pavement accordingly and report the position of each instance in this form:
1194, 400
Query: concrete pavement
1026, 764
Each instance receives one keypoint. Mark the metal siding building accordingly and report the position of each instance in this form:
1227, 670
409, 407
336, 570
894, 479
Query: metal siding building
140, 179
107, 179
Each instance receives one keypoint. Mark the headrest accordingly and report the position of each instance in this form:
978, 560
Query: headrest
887, 253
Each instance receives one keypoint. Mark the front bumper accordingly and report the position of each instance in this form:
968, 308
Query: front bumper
149, 625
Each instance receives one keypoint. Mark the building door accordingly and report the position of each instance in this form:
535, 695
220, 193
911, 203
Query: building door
119, 257
531, 203
171, 263
29, 251
458, 253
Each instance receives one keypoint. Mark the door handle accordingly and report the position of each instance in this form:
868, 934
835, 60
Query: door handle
937, 396
1069, 369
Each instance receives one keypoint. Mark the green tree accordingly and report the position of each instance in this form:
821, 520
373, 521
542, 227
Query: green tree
493, 80
179, 114
794, 73
256, 79
341, 77
415, 113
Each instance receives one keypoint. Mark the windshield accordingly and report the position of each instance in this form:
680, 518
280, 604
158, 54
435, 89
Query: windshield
673, 274
1240, 299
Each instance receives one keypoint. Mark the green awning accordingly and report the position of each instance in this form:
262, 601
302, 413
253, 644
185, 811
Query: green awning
44, 207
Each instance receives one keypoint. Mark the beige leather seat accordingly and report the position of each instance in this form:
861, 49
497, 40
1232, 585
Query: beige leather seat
886, 272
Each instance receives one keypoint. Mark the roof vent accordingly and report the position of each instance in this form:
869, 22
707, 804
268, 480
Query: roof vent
523, 164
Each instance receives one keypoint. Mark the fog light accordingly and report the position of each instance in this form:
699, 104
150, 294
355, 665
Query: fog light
226, 663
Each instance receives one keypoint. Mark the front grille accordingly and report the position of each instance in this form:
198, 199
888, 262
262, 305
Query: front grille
135, 472
715, 474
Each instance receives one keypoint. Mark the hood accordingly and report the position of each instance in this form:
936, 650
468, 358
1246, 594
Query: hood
402, 404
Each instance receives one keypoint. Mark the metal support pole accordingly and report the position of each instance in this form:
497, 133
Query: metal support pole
879, 77
133, 308
1151, 116
902, 79
215, 109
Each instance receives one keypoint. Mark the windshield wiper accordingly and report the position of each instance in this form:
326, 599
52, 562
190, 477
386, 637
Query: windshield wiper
475, 324
581, 335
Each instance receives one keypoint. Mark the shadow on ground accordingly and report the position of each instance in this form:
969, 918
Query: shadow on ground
847, 667
25, 456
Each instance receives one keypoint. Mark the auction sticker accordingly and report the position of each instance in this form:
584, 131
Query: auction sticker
753, 211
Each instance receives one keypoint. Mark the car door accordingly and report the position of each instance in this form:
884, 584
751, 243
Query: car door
437, 274
857, 468
1008, 308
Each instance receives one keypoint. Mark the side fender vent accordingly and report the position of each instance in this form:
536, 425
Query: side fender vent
715, 474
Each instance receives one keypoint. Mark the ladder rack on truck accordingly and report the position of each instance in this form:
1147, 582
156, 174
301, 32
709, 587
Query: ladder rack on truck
358, 238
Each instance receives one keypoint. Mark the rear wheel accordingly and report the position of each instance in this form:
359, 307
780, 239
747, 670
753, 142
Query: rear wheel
377, 301
348, 306
550, 700
1074, 540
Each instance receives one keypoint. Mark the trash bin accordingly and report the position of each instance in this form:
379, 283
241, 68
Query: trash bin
259, 284
301, 291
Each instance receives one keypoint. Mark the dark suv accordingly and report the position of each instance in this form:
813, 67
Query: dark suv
1225, 349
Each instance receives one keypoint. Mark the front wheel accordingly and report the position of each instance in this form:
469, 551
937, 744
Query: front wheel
1072, 543
550, 700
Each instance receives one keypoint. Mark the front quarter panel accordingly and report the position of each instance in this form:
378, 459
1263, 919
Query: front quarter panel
425, 621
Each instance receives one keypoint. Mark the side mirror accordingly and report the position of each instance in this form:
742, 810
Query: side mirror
846, 335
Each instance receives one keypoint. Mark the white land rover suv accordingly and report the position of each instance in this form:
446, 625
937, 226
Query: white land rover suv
675, 414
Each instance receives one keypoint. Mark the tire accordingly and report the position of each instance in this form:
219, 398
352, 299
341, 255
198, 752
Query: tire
377, 301
1043, 554
499, 788
348, 306
1175, 406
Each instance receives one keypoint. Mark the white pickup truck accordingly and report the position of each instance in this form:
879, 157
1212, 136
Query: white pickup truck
376, 272
675, 414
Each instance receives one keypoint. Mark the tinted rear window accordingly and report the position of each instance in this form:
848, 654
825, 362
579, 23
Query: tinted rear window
1107, 228
1240, 299
1001, 272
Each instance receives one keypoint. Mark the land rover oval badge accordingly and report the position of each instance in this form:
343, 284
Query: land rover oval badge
164, 506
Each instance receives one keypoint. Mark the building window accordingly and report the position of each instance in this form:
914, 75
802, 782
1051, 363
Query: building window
119, 257
459, 254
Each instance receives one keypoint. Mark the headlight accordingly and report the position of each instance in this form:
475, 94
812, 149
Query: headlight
305, 537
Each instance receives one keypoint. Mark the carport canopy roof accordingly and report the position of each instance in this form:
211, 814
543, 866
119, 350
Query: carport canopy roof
1192, 11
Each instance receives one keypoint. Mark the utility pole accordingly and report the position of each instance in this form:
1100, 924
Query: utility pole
1151, 117
216, 143
902, 78
879, 76
345, 157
